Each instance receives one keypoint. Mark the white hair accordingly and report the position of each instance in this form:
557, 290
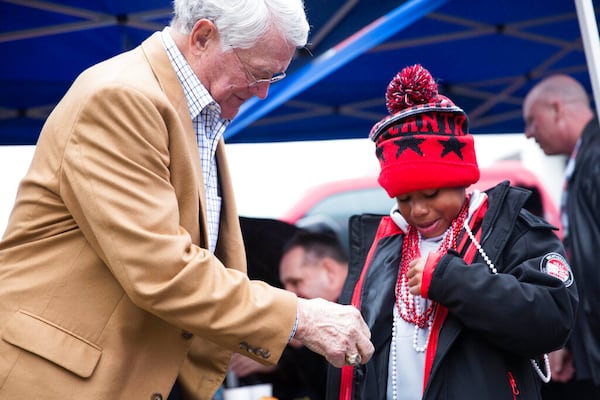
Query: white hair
241, 23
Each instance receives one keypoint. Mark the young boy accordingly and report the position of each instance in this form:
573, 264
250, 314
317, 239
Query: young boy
464, 293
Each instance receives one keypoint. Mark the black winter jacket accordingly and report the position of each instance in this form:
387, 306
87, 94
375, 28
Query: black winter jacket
495, 323
582, 244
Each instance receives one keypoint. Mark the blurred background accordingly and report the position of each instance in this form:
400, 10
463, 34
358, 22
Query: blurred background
311, 129
271, 180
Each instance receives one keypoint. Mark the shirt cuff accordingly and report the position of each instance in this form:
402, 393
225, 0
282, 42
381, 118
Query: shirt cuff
294, 328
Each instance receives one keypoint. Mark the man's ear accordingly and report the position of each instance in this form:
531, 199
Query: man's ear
330, 269
203, 32
558, 109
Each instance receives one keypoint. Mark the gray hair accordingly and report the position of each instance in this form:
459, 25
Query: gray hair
241, 23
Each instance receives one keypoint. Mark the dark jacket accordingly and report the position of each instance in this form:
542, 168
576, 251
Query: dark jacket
495, 323
582, 244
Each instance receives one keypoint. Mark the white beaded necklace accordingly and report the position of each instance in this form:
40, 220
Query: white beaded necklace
417, 330
545, 377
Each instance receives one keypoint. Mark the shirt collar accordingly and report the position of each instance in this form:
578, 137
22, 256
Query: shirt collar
196, 94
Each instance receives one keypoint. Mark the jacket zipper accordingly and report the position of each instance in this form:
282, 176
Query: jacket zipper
513, 385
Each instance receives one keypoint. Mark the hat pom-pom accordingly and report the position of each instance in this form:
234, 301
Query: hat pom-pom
411, 86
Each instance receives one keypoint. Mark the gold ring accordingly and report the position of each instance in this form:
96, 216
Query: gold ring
353, 359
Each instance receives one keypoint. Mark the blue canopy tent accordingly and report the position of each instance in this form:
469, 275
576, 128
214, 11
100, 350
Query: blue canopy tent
485, 54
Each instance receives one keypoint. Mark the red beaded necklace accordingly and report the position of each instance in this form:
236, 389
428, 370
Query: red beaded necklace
411, 312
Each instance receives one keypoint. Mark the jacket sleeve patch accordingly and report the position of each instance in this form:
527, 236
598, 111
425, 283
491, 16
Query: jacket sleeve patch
555, 265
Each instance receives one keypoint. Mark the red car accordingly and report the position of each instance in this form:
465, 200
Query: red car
329, 205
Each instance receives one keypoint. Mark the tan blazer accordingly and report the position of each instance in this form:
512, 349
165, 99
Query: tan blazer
107, 290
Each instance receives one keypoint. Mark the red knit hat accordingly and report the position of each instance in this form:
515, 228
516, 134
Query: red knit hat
425, 142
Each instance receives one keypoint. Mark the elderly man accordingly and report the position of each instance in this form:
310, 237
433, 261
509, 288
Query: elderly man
122, 265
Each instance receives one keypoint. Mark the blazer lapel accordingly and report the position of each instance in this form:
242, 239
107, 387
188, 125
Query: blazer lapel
161, 65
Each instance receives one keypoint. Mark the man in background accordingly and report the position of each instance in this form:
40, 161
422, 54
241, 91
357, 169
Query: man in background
558, 116
313, 265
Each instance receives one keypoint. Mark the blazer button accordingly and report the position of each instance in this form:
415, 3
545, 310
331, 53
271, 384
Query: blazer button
259, 352
156, 396
187, 335
245, 346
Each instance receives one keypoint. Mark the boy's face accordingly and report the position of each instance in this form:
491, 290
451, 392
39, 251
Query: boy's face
431, 211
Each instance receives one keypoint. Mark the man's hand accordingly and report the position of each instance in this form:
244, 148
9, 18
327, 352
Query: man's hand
338, 332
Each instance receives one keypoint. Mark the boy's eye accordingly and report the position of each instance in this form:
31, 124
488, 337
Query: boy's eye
431, 193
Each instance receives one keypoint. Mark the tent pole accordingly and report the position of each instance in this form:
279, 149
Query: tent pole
347, 50
591, 45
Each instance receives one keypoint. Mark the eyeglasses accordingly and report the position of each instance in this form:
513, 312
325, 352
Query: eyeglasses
252, 81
